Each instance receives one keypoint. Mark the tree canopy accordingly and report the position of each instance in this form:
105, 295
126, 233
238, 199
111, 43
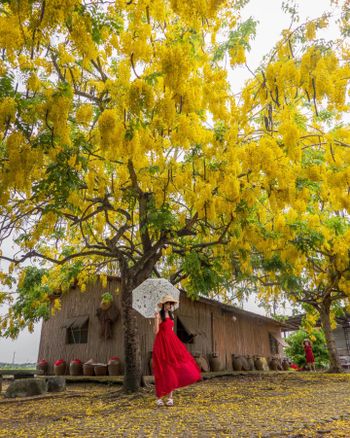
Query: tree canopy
124, 149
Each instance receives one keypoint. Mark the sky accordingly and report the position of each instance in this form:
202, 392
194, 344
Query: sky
271, 22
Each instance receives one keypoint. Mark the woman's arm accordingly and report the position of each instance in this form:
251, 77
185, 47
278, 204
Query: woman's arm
156, 323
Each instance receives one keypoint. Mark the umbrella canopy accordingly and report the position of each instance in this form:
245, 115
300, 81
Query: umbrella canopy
148, 294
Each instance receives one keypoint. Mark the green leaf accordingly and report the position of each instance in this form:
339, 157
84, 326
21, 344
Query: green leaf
239, 37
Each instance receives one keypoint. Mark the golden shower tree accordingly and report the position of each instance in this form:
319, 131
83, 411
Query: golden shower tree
124, 150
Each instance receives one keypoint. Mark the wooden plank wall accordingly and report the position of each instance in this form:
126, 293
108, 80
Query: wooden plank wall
242, 335
217, 330
53, 336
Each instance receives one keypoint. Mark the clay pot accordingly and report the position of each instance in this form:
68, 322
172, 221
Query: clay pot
100, 370
88, 369
236, 362
215, 362
43, 366
196, 356
245, 364
201, 362
114, 367
105, 305
258, 363
60, 370
273, 364
279, 364
75, 368
251, 364
285, 364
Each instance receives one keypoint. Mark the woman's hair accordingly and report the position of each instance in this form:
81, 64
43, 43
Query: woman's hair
162, 313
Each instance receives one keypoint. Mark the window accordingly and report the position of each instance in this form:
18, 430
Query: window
77, 330
184, 331
273, 344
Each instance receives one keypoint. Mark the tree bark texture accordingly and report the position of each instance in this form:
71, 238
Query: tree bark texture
132, 376
334, 361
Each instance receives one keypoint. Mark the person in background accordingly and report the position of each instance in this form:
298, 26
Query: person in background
309, 355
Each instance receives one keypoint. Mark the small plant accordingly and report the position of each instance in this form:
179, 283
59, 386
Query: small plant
107, 297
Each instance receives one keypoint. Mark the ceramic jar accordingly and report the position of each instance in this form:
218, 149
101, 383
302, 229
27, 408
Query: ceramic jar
114, 366
215, 362
75, 367
100, 369
236, 362
43, 366
60, 367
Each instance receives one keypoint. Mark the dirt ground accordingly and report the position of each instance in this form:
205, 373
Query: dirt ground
272, 405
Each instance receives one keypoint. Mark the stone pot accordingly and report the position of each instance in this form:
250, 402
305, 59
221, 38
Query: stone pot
100, 370
60, 370
215, 362
236, 362
114, 368
75, 368
88, 369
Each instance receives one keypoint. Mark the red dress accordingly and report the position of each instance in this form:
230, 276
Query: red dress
173, 366
309, 354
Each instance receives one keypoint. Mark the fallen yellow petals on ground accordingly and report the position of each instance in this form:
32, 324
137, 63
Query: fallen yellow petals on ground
271, 405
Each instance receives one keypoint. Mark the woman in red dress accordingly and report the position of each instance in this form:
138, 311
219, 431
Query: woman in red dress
173, 366
309, 355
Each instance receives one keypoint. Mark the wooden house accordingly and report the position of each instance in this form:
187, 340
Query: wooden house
204, 325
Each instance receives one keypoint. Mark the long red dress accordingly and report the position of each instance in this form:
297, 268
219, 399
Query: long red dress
173, 366
309, 355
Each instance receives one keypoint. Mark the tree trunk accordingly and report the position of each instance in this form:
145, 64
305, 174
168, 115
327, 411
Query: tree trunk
130, 279
334, 362
132, 376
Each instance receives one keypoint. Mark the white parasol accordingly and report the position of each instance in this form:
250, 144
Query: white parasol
148, 294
